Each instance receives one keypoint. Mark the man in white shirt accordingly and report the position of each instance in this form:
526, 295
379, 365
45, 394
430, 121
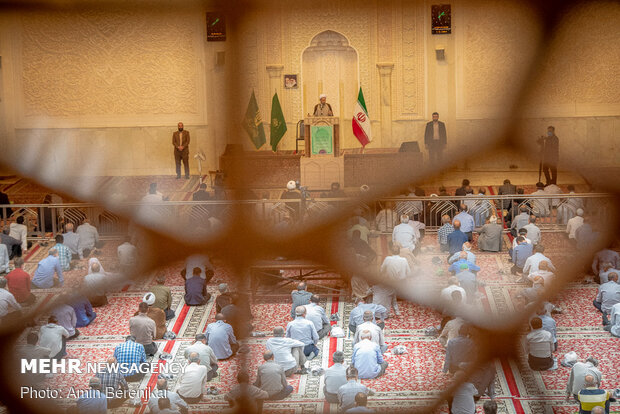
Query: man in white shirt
395, 267
539, 346
606, 270
335, 377
205, 353
573, 224
387, 218
578, 372
446, 293
54, 337
192, 381
8, 304
533, 231
19, 231
376, 333
532, 263
127, 254
540, 206
404, 234
176, 402
288, 352
4, 259
88, 238
316, 314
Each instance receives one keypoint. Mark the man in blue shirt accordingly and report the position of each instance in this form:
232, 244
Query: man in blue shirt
467, 222
456, 265
93, 401
221, 338
303, 330
83, 311
456, 239
460, 349
44, 275
356, 317
520, 253
367, 357
130, 355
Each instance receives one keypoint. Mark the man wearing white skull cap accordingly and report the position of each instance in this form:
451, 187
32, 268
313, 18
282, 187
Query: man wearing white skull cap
323, 108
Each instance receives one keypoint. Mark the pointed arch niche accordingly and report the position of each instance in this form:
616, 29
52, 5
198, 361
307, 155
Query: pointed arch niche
330, 65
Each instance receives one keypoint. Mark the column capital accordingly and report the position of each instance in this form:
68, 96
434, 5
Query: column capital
275, 71
385, 68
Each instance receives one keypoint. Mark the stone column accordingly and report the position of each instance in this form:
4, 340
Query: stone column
275, 80
385, 76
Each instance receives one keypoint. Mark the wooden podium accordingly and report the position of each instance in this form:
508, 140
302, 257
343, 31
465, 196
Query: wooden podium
322, 164
322, 136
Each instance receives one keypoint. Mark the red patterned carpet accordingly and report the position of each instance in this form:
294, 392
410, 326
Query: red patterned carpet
412, 380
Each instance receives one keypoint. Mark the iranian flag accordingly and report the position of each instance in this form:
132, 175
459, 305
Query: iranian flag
361, 121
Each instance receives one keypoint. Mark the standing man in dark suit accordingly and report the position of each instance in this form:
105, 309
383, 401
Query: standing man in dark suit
435, 138
180, 141
550, 155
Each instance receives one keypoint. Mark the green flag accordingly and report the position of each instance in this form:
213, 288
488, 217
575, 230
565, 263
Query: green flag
278, 124
253, 124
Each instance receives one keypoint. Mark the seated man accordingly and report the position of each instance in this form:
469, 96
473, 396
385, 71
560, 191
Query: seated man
271, 378
520, 254
44, 275
202, 262
605, 255
221, 339
288, 352
608, 295
144, 329
303, 330
450, 331
471, 257
335, 377
384, 295
71, 240
315, 313
92, 401
131, 355
4, 259
361, 402
395, 267
456, 265
96, 286
614, 318
446, 293
490, 236
376, 332
205, 353
19, 231
591, 397
9, 308
606, 270
224, 299
65, 315
387, 218
127, 255
356, 317
300, 297
367, 357
444, 231
533, 231
84, 313
13, 246
18, 282
246, 396
161, 391
196, 289
532, 262
539, 346
191, 383
467, 280
163, 296
577, 377
459, 350
543, 271
456, 239
404, 234
348, 391
54, 337
64, 254
113, 384
88, 238
157, 315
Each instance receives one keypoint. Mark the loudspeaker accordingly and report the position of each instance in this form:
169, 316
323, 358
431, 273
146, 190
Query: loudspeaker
409, 146
220, 58
440, 53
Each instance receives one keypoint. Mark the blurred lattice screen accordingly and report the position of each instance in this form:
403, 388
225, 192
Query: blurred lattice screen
523, 84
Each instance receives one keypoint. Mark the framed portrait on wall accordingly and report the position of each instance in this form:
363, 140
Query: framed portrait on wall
290, 82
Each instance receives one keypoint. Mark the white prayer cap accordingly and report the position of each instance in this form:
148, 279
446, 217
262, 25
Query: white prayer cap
149, 298
321, 96
580, 212
364, 188
291, 185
